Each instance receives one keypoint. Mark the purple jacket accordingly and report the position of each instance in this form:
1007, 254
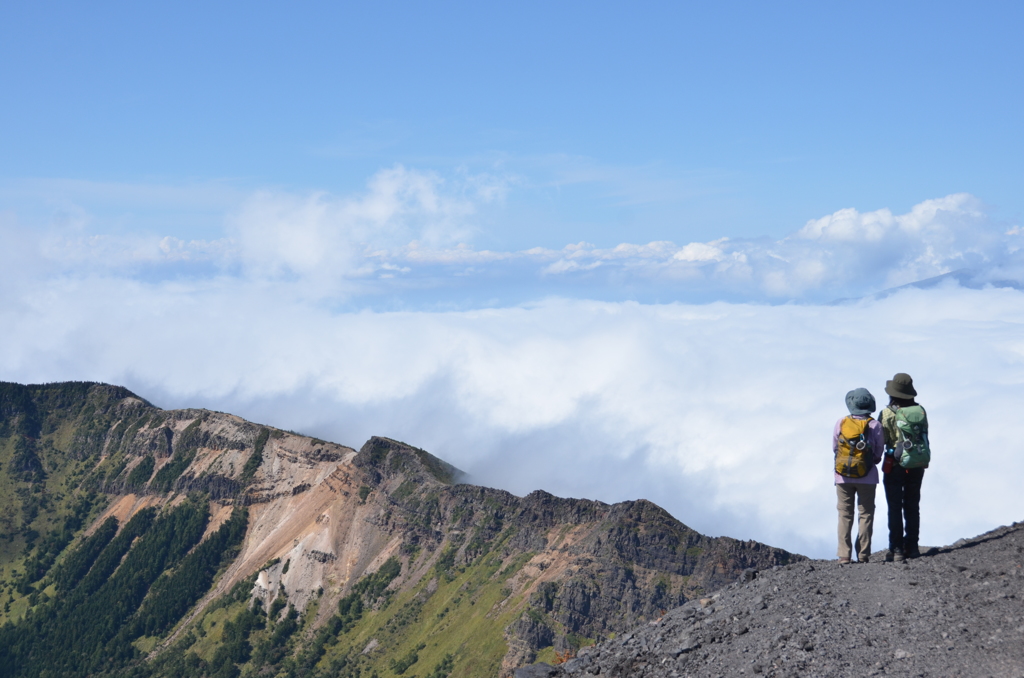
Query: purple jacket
877, 440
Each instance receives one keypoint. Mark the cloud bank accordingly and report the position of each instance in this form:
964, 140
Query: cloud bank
533, 368
721, 413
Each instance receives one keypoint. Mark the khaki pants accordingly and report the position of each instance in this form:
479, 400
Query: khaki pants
865, 498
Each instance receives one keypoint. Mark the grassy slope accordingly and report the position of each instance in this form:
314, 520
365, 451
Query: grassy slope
458, 619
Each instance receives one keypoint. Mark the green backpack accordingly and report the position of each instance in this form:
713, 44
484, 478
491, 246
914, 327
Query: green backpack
912, 449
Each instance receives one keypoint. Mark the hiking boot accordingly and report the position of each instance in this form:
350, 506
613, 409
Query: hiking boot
865, 559
895, 556
913, 552
844, 561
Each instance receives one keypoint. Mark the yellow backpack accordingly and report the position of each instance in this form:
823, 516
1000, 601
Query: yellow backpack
854, 457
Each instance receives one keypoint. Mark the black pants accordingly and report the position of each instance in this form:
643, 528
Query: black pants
903, 495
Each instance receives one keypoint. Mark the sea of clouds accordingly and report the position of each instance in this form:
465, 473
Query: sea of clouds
719, 411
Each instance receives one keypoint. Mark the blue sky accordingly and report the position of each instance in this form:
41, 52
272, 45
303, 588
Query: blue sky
569, 246
657, 121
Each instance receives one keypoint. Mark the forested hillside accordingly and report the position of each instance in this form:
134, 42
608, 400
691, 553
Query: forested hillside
136, 541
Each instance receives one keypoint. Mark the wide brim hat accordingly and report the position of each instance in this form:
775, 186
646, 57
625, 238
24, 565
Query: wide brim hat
901, 386
860, 402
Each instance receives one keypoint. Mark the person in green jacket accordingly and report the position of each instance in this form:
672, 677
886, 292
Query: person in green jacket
902, 485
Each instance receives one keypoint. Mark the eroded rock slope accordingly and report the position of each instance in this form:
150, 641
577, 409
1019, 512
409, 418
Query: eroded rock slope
957, 611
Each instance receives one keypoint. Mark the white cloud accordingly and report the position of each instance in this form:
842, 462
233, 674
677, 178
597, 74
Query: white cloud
322, 238
845, 254
699, 251
176, 249
722, 413
312, 238
935, 237
411, 229
849, 225
462, 254
569, 265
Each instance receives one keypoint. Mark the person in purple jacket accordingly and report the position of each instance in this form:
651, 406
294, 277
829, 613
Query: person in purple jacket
858, 443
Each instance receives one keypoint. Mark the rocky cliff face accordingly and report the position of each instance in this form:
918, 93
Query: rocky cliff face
355, 550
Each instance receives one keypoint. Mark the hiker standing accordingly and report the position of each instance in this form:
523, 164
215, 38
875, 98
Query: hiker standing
907, 455
857, 443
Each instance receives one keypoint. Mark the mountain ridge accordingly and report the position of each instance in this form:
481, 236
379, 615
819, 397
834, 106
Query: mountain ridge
527, 577
955, 611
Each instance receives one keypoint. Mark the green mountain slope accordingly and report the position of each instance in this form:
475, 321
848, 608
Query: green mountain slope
136, 541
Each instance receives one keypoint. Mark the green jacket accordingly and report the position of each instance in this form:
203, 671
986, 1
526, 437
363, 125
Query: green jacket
888, 419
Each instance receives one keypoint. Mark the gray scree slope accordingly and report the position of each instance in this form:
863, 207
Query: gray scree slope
956, 611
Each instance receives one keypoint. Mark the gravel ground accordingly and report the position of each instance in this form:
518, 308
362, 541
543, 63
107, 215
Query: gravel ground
955, 611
